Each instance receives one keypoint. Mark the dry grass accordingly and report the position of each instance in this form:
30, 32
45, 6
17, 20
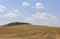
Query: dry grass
29, 32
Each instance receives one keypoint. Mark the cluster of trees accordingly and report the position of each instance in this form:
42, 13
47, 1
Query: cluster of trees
16, 23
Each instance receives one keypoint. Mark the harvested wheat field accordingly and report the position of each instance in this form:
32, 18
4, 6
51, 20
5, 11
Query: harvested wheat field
29, 32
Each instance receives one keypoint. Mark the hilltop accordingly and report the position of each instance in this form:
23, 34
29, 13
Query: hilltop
16, 23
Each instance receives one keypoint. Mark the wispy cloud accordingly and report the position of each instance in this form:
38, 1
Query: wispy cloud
13, 13
2, 8
41, 18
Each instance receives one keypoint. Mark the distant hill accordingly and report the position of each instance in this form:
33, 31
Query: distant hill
16, 23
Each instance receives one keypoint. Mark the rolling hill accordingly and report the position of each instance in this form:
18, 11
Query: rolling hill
29, 32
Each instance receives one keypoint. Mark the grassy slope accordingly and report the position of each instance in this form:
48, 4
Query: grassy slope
29, 32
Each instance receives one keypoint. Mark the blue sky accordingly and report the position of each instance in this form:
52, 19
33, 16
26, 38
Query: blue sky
39, 12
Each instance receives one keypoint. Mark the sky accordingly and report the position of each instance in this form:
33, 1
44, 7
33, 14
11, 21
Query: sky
36, 12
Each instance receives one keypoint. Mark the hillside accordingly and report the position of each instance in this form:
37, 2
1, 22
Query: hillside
29, 32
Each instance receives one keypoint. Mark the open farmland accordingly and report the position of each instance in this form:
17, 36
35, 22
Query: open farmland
29, 32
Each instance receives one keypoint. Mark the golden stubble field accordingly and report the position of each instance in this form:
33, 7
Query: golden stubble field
29, 32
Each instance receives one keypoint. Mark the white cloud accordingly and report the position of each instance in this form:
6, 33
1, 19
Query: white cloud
16, 10
39, 5
2, 8
10, 14
44, 15
29, 19
26, 4
42, 19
